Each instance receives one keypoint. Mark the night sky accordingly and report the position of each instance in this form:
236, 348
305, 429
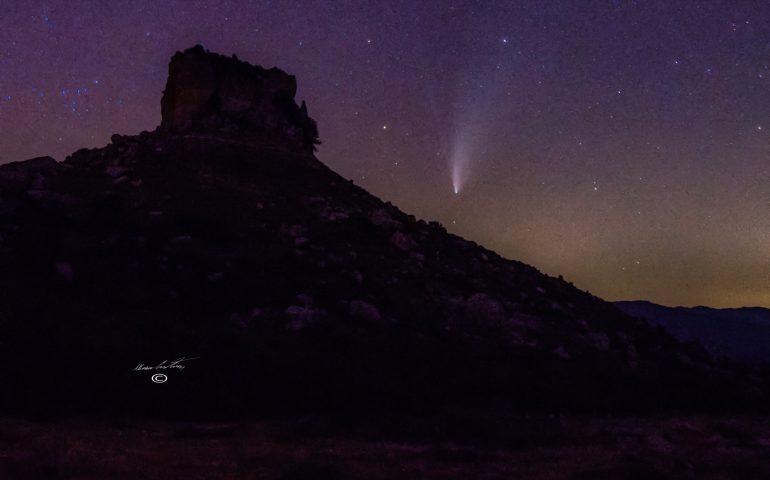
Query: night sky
622, 144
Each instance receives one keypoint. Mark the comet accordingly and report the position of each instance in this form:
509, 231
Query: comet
458, 167
472, 122
459, 161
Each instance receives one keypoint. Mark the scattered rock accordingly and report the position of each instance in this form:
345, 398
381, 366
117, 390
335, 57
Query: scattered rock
335, 215
383, 219
304, 299
64, 270
294, 231
417, 256
364, 311
117, 139
632, 356
182, 239
115, 171
484, 309
402, 241
301, 317
560, 351
242, 321
600, 341
659, 444
26, 172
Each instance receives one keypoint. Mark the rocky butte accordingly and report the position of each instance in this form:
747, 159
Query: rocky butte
219, 95
220, 236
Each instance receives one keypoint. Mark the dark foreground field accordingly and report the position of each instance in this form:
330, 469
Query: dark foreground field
532, 448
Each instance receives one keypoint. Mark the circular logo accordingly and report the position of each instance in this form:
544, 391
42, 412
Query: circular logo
159, 378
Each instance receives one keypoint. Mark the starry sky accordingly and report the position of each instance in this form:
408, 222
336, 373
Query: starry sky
622, 144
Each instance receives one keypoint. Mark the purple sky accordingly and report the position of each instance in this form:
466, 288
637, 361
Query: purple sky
622, 144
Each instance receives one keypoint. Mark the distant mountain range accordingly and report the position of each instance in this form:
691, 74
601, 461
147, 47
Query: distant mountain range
742, 334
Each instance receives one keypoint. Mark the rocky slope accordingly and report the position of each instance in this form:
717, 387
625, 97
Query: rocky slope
220, 236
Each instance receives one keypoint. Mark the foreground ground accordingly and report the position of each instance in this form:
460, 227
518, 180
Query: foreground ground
560, 448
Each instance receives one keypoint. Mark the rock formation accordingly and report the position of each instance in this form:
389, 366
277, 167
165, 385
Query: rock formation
214, 93
220, 236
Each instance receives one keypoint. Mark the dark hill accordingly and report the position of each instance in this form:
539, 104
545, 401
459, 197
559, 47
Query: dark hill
220, 236
742, 334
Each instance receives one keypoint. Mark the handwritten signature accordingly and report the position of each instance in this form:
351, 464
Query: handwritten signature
165, 364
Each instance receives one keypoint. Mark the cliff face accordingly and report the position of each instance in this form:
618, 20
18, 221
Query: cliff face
210, 92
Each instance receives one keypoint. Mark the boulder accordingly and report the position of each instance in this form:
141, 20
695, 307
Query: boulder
484, 309
364, 311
